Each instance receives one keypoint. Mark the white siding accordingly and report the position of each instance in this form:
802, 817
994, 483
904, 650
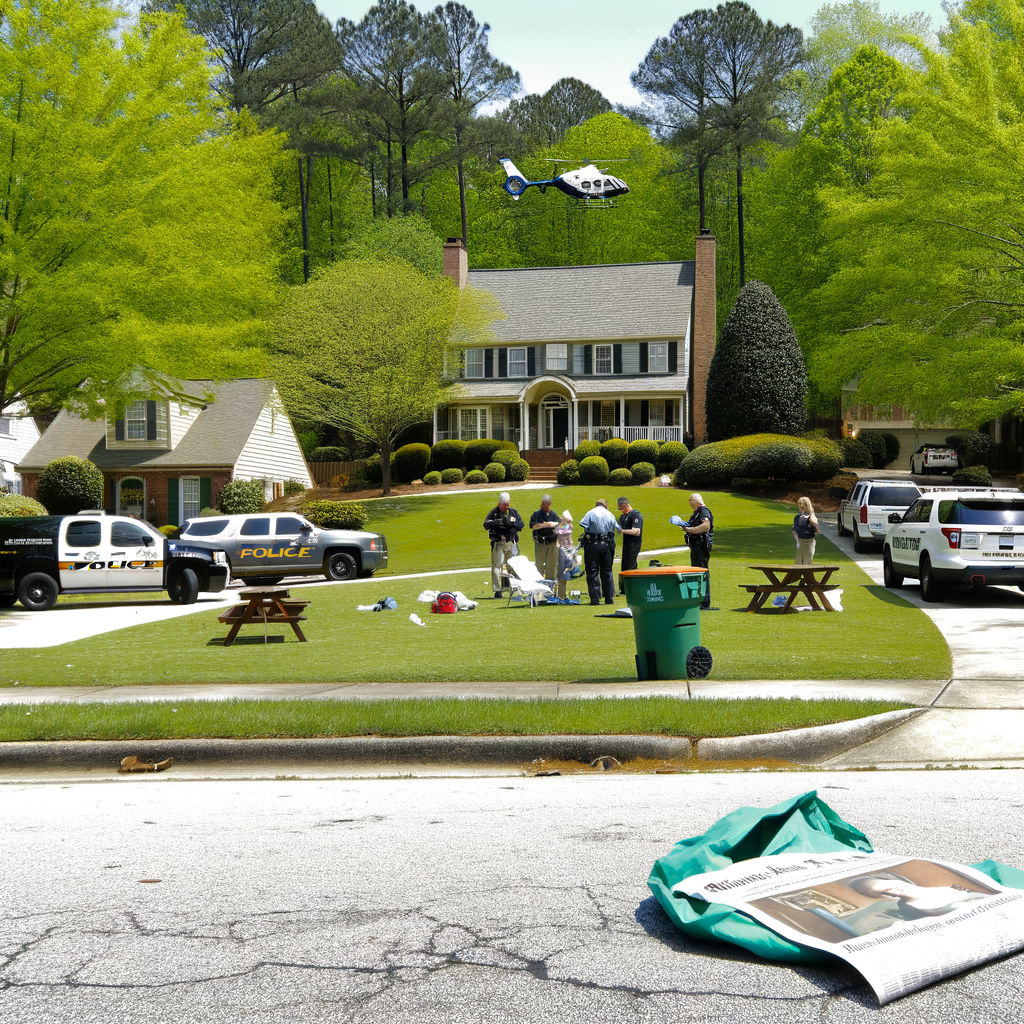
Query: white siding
276, 456
182, 416
18, 435
162, 433
631, 357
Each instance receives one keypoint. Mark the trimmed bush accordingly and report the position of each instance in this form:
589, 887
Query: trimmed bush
242, 497
448, 455
335, 515
827, 458
709, 465
451, 475
476, 476
70, 484
670, 456
892, 446
586, 450
615, 452
569, 472
855, 454
679, 476
642, 451
12, 505
620, 477
328, 454
774, 461
505, 457
875, 443
205, 513
593, 470
373, 474
293, 487
973, 476
432, 479
519, 471
971, 446
411, 462
714, 465
495, 472
478, 453
170, 531
643, 472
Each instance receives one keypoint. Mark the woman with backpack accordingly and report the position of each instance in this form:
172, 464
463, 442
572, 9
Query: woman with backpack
805, 532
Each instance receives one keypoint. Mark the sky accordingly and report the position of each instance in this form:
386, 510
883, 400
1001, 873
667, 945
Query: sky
599, 41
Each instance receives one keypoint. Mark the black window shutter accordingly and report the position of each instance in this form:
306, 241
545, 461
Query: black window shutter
616, 359
119, 423
204, 492
588, 358
670, 408
643, 356
172, 502
618, 413
673, 364
596, 415
151, 421
488, 362
502, 362
645, 413
531, 361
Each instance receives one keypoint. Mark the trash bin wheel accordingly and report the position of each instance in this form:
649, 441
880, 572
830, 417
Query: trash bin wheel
698, 663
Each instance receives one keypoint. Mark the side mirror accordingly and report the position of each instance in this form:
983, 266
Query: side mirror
306, 528
895, 517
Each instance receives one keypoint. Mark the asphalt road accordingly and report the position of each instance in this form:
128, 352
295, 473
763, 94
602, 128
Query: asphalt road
448, 900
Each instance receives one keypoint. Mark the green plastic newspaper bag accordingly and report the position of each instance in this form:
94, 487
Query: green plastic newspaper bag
803, 824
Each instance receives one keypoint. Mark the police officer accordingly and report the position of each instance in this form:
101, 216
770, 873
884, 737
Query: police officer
502, 524
700, 535
599, 529
543, 523
632, 524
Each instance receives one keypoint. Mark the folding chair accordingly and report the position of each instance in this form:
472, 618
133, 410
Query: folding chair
526, 580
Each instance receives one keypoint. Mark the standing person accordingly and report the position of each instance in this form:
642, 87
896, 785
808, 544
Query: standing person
805, 532
599, 529
502, 524
700, 535
632, 524
566, 559
545, 550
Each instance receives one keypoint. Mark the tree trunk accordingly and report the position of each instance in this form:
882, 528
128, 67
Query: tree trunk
304, 204
739, 212
462, 187
391, 181
373, 189
330, 204
385, 468
701, 169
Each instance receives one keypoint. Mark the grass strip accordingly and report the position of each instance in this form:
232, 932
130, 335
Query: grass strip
426, 717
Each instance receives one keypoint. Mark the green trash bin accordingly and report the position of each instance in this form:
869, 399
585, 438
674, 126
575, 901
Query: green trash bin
665, 603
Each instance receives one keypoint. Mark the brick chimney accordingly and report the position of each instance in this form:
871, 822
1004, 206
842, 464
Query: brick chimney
703, 331
456, 261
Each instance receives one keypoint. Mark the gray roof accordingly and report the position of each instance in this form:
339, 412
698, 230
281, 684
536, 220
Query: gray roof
511, 388
216, 437
619, 300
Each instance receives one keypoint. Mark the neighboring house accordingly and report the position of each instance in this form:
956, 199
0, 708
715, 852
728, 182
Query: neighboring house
18, 432
167, 459
588, 353
893, 419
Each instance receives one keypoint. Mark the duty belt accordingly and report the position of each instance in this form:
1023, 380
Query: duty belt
598, 536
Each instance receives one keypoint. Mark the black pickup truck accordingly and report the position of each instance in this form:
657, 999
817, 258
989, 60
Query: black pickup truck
42, 557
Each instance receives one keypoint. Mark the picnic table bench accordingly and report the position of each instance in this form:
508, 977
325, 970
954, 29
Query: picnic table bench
267, 606
809, 580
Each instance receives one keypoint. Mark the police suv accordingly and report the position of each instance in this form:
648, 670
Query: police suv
42, 557
268, 546
954, 536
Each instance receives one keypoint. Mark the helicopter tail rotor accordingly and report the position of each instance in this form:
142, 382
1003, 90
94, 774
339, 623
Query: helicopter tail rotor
515, 182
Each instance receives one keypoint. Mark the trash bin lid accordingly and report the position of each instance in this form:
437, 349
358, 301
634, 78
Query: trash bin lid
663, 570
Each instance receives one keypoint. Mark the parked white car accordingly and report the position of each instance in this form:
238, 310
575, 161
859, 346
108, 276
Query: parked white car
930, 458
866, 512
957, 536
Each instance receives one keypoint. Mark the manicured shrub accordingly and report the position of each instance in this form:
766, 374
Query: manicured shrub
70, 484
373, 474
432, 479
855, 454
19, 505
774, 461
170, 531
875, 443
206, 512
505, 457
242, 497
451, 475
293, 487
586, 449
593, 470
757, 378
892, 446
476, 476
679, 476
519, 471
670, 456
569, 472
826, 458
714, 465
620, 477
971, 446
706, 466
642, 451
411, 462
615, 452
479, 452
448, 455
328, 454
335, 515
643, 472
495, 472
973, 476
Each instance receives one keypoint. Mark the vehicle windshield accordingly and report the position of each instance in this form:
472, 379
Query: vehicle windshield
893, 497
982, 513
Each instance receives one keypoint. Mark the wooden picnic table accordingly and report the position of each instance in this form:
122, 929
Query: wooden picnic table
810, 580
266, 606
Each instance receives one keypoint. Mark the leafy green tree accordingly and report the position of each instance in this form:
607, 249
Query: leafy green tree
407, 239
544, 120
757, 379
137, 224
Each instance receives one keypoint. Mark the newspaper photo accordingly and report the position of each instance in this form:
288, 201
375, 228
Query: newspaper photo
901, 923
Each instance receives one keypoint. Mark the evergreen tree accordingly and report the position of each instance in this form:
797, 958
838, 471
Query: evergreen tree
757, 379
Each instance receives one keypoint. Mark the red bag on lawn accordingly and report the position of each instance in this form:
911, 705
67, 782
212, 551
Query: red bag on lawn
444, 604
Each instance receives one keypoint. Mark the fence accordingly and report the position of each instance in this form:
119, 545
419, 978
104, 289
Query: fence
324, 472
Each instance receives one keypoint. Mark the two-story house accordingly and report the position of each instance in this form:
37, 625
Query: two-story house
18, 432
587, 353
167, 459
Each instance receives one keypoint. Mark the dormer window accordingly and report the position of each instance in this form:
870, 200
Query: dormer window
135, 421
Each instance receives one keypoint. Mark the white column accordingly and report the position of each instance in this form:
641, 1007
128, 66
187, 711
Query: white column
526, 425
435, 424
522, 425
622, 415
575, 422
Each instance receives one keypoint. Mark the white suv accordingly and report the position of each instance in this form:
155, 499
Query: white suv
954, 536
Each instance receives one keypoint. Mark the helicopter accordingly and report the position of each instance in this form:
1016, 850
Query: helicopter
586, 183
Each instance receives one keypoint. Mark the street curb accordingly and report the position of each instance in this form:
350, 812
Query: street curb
805, 746
810, 745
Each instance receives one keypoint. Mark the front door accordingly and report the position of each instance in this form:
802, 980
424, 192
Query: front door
83, 553
559, 427
136, 557
131, 497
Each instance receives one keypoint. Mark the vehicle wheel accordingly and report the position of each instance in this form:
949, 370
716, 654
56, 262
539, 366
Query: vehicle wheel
931, 589
892, 579
341, 567
38, 592
6, 600
184, 587
698, 663
860, 546
840, 529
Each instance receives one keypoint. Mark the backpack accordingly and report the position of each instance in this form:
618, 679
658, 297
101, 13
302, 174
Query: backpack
444, 604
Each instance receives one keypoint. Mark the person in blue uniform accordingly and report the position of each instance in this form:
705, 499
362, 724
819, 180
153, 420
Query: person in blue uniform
599, 528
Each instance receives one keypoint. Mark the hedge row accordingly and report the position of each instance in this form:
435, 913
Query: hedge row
335, 515
762, 457
594, 470
665, 456
13, 505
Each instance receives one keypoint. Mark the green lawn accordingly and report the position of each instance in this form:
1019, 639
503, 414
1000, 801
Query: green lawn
867, 640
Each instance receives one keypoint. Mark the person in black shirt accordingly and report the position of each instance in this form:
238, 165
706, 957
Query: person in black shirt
700, 535
543, 523
632, 524
502, 524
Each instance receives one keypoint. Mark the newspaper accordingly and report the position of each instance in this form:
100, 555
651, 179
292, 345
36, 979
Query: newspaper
902, 923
